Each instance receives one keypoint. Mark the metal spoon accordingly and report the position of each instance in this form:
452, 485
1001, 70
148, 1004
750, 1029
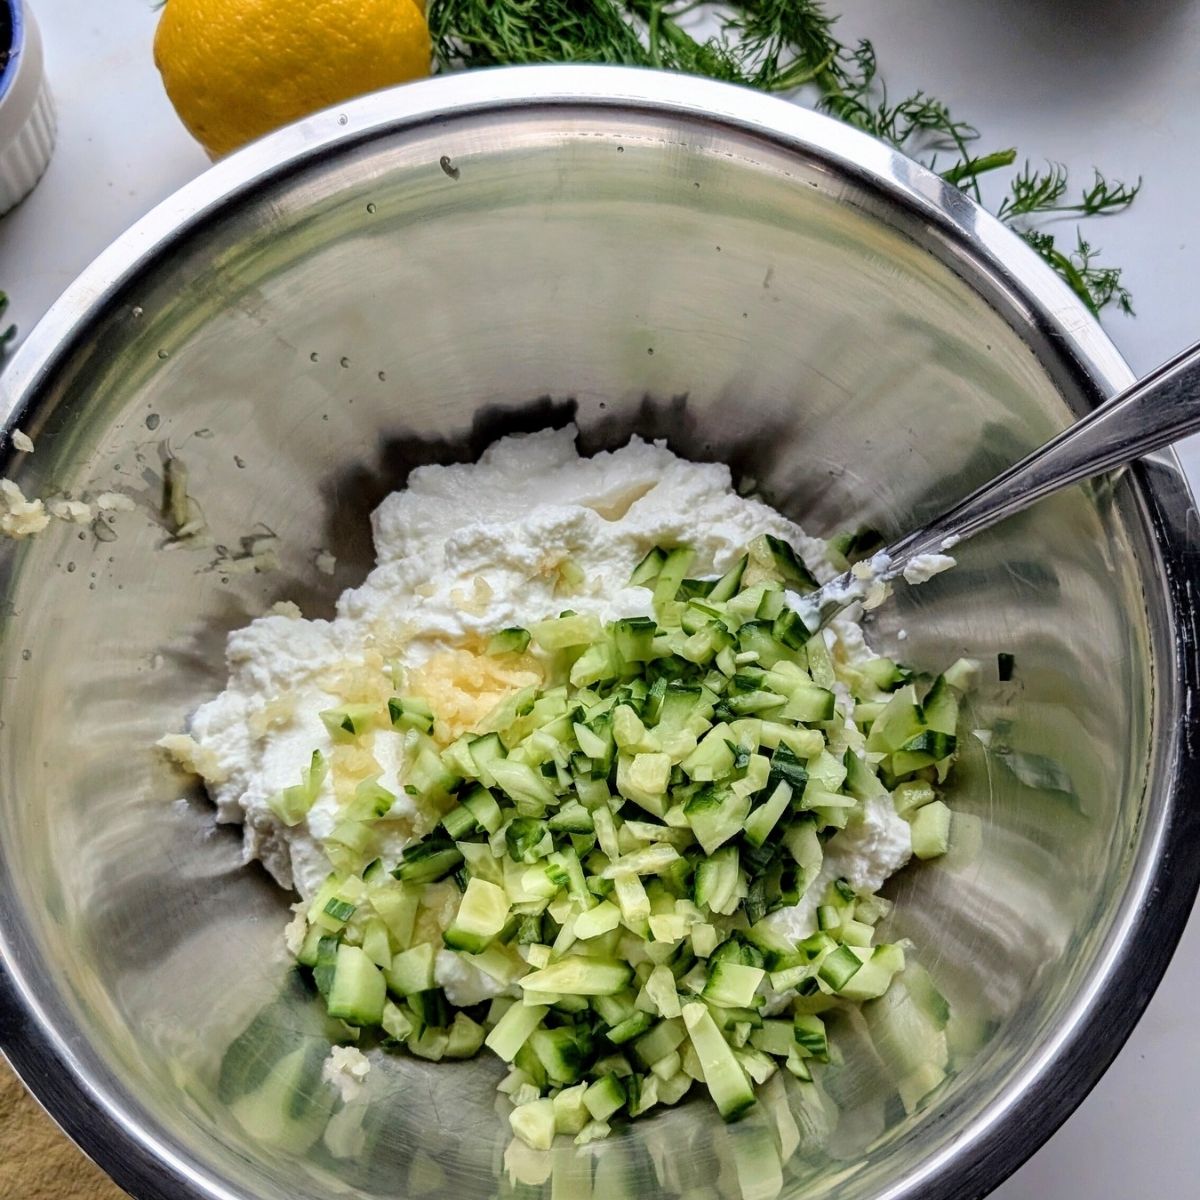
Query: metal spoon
1150, 414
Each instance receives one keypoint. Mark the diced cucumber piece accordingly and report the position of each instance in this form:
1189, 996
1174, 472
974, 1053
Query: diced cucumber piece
839, 967
358, 991
412, 970
911, 795
578, 976
715, 816
528, 840
600, 919
634, 638
660, 989
307, 955
926, 995
481, 804
396, 1022
670, 575
570, 1112
604, 1097
292, 804
724, 1077
651, 860
727, 586
811, 1037
464, 1038
482, 913
643, 778
459, 823
347, 722
410, 712
560, 633
732, 985
513, 1030
930, 826
534, 1124
663, 1038
563, 1052
483, 751
326, 963
810, 705
632, 1027
963, 674
774, 1037
776, 559
716, 881
632, 900
646, 572
509, 641
861, 782
927, 748
376, 942
713, 758
427, 861
879, 966
572, 817
430, 1043
820, 663
886, 674
764, 818
900, 722
527, 789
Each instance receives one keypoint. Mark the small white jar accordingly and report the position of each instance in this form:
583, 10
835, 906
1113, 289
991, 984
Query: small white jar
26, 111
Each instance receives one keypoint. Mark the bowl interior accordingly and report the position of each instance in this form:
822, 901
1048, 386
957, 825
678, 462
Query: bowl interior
404, 298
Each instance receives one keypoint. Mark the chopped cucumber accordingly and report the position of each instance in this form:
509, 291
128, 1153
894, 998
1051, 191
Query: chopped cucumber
604, 1097
513, 1030
482, 913
724, 1077
412, 970
358, 992
930, 827
509, 641
577, 976
534, 1123
612, 840
732, 985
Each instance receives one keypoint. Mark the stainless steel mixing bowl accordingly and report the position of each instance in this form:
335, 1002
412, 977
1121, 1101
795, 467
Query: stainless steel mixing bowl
399, 281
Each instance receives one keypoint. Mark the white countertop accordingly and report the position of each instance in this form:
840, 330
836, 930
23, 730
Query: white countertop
1110, 82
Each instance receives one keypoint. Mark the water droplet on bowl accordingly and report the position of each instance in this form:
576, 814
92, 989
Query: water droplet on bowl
136, 311
163, 354
344, 361
152, 421
314, 357
371, 208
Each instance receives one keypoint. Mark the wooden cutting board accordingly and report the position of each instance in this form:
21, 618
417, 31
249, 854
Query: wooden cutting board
37, 1162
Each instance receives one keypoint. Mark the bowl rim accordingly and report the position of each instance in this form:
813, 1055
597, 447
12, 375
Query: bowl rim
109, 1124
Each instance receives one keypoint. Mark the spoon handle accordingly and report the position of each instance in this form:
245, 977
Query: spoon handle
1152, 413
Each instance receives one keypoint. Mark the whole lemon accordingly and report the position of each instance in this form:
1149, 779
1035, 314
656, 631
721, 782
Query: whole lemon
236, 69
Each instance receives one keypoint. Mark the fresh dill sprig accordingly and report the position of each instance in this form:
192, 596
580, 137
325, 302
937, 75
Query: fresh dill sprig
1096, 286
488, 33
1035, 193
786, 46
